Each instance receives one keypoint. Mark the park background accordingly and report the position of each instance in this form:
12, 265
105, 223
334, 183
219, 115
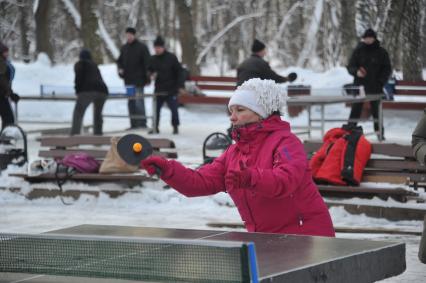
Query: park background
312, 38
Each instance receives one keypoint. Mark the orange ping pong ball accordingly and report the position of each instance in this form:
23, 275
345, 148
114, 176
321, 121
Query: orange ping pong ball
137, 147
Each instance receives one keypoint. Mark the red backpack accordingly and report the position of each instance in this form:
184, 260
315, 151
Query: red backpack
342, 157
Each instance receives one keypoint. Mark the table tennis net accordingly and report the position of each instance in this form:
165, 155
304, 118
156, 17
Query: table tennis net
125, 258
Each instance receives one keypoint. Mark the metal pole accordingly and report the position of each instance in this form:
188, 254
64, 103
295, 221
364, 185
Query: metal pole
322, 120
309, 121
154, 114
380, 120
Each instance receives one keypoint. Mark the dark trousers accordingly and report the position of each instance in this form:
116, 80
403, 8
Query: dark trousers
357, 110
83, 101
6, 112
137, 107
172, 103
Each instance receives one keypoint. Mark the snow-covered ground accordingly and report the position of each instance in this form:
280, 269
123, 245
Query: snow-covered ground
151, 204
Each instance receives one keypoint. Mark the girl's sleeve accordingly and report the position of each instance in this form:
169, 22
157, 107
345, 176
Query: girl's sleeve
207, 180
289, 170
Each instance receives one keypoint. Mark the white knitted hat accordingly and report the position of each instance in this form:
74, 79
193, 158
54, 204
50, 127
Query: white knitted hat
261, 96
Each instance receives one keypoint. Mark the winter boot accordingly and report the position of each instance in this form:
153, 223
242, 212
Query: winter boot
175, 130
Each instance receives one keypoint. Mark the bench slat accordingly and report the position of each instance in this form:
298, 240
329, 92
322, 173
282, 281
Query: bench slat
68, 141
391, 149
213, 79
396, 165
410, 91
87, 177
203, 99
410, 83
403, 105
360, 190
96, 153
216, 87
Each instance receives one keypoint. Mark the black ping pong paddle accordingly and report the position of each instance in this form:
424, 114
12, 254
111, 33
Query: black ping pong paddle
134, 148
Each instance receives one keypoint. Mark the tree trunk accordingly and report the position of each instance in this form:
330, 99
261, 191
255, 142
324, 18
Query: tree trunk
24, 29
89, 29
154, 14
187, 37
43, 43
411, 63
347, 30
392, 33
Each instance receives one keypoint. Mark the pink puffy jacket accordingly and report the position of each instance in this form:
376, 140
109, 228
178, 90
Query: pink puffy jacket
282, 197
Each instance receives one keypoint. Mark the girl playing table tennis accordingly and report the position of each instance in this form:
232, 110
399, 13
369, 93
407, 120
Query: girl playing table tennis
265, 171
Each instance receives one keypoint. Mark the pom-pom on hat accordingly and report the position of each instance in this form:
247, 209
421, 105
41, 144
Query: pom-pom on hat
257, 46
261, 96
159, 41
131, 30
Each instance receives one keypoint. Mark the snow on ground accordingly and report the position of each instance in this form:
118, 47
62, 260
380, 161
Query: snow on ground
151, 204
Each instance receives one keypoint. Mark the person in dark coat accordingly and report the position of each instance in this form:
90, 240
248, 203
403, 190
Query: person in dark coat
6, 75
418, 141
132, 67
370, 66
256, 67
89, 87
169, 81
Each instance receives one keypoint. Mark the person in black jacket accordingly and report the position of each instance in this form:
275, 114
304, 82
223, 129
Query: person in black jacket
132, 67
6, 92
256, 67
89, 87
169, 81
371, 68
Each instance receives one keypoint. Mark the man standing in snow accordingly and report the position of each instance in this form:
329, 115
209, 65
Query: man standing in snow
371, 68
6, 76
257, 67
90, 88
169, 81
418, 143
132, 67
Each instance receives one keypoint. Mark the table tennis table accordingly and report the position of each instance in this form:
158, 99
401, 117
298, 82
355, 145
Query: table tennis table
280, 258
310, 101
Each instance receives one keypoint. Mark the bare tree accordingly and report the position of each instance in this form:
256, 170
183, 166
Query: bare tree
89, 29
155, 16
392, 33
43, 40
316, 34
24, 30
411, 63
347, 30
186, 36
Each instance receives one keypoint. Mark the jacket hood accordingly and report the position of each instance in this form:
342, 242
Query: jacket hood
255, 131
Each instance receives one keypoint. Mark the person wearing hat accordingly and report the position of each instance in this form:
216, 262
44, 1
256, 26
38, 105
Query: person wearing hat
169, 81
256, 67
89, 87
265, 171
6, 76
371, 68
132, 67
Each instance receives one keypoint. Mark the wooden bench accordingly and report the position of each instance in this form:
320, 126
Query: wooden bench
226, 85
403, 89
407, 88
389, 163
56, 147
